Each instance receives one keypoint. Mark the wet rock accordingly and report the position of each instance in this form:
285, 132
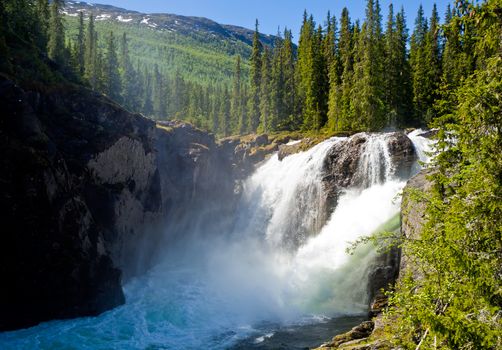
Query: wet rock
361, 331
413, 217
343, 166
402, 154
83, 184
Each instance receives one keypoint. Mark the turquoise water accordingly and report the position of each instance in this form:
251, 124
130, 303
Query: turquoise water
244, 290
175, 307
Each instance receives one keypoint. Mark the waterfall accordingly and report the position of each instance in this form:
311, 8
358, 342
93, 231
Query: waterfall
284, 200
284, 262
375, 166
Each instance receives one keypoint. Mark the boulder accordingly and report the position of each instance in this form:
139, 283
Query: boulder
343, 167
361, 331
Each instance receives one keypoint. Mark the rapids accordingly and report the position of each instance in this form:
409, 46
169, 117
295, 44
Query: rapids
281, 271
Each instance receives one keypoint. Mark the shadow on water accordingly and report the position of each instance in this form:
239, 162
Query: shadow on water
296, 337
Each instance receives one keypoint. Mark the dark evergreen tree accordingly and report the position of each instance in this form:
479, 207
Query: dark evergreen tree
289, 119
56, 43
255, 79
433, 65
111, 74
80, 51
277, 110
341, 77
368, 93
91, 54
236, 104
418, 65
225, 112
129, 77
396, 72
43, 15
265, 95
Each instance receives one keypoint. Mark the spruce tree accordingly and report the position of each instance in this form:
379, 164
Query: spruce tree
290, 117
255, 79
55, 45
159, 95
43, 15
225, 112
81, 44
128, 76
368, 93
265, 96
341, 112
90, 57
111, 77
396, 72
403, 100
419, 68
304, 64
433, 65
236, 108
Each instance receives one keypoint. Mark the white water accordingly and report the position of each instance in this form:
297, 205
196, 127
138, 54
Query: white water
280, 265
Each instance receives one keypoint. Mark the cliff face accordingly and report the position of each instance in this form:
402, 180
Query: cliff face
83, 182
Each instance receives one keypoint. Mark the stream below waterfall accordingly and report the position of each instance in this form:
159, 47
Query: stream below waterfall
280, 280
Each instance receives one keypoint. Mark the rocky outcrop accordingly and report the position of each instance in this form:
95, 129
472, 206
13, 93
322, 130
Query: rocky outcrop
247, 151
352, 337
412, 220
343, 166
83, 183
412, 216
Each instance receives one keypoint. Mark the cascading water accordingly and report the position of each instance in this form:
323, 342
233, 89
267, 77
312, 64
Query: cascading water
283, 264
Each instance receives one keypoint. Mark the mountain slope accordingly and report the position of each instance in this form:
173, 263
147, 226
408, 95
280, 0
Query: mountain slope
198, 48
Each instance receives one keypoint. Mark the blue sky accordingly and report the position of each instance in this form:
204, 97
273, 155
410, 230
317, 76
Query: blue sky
271, 13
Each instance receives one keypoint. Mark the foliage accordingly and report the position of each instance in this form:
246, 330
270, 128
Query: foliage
454, 301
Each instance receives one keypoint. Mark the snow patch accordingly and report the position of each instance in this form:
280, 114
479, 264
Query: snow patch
103, 17
145, 20
122, 19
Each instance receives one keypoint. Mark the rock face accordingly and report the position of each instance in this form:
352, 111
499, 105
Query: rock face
342, 166
83, 182
412, 216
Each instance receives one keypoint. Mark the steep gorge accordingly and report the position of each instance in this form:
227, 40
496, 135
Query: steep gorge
95, 194
85, 184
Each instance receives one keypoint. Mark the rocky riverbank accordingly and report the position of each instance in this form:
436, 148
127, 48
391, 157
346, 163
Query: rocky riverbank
370, 335
90, 191
84, 184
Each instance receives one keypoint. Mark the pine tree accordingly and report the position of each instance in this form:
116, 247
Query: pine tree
80, 52
225, 112
277, 85
254, 101
43, 16
433, 65
304, 64
403, 100
111, 77
159, 95
265, 95
418, 67
312, 74
147, 98
290, 117
368, 94
91, 50
55, 46
128, 76
340, 108
236, 108
396, 77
